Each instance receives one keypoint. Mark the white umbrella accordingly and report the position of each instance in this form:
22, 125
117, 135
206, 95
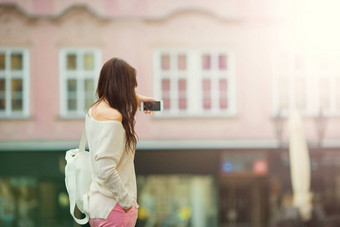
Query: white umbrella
299, 166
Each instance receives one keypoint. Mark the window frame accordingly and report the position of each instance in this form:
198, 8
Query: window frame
9, 74
80, 75
194, 85
313, 75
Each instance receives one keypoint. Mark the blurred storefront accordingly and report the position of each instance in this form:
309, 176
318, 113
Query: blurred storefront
175, 188
222, 187
244, 187
217, 187
32, 191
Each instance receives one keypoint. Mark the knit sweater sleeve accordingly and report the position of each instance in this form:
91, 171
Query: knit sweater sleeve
110, 147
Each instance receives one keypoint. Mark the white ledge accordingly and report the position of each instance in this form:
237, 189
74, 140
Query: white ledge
41, 146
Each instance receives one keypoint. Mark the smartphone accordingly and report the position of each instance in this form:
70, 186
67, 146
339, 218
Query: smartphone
152, 105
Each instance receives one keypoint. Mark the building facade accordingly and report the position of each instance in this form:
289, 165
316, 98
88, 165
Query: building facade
227, 71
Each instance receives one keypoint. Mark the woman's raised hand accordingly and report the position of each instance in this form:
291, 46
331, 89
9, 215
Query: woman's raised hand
141, 98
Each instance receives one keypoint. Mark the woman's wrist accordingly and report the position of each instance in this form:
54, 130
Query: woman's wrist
142, 98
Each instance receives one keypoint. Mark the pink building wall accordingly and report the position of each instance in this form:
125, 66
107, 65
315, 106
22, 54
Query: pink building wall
132, 30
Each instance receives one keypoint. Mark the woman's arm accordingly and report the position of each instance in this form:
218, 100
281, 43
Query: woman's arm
107, 156
106, 159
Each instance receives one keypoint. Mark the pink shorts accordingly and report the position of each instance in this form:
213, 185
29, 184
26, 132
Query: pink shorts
117, 218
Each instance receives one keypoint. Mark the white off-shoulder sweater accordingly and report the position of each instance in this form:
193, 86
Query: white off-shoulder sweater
113, 171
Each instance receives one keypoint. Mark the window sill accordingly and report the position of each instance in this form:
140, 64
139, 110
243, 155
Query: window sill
16, 117
70, 118
286, 115
193, 116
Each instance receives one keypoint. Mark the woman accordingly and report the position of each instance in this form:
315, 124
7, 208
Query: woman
112, 140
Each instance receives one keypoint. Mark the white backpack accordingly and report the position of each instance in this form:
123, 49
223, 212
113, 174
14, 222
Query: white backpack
78, 178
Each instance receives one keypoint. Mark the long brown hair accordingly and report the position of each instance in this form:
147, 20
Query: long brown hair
116, 85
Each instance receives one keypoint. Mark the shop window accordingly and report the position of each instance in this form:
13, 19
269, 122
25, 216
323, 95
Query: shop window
177, 200
18, 202
30, 202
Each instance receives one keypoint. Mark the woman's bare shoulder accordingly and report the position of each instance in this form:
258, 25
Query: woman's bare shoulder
103, 112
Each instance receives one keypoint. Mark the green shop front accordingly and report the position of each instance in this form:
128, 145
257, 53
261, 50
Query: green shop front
176, 187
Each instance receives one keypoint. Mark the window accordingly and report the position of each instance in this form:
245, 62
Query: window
311, 83
292, 82
177, 200
195, 83
79, 71
14, 83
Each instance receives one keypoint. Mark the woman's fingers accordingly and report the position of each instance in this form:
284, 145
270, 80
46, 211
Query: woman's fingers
148, 112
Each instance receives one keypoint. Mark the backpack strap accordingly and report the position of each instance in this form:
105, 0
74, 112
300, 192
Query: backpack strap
83, 141
72, 181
